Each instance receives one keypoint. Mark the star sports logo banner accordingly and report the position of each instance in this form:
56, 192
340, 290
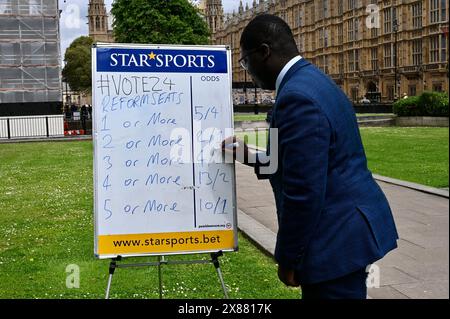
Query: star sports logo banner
160, 60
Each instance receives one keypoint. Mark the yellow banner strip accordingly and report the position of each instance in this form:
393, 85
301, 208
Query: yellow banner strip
165, 242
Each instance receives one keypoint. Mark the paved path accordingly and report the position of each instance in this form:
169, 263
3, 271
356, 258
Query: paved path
418, 268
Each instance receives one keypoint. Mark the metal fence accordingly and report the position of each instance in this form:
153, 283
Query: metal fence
373, 108
31, 126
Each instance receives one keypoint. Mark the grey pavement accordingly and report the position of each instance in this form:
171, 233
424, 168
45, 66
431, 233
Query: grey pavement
418, 268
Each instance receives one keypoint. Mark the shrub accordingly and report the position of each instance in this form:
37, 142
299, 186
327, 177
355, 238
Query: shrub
407, 107
427, 104
434, 103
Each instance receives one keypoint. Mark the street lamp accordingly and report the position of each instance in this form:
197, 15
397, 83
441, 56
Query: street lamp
256, 101
245, 87
395, 29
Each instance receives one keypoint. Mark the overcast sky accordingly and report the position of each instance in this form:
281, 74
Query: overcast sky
74, 18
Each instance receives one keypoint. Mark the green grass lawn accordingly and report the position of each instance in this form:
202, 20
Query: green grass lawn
46, 223
250, 117
416, 154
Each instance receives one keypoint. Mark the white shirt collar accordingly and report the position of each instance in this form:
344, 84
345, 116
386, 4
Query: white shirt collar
285, 70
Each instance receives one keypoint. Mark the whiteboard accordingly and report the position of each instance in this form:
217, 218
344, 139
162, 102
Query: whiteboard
161, 185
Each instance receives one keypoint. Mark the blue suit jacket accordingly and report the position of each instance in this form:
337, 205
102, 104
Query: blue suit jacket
333, 217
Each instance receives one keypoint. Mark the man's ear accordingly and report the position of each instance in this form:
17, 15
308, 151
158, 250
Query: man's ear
266, 52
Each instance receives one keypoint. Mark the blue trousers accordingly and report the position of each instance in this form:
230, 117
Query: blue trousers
351, 286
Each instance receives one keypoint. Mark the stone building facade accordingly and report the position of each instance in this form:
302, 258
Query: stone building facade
384, 49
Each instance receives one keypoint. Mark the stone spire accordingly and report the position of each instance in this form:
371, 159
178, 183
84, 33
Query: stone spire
214, 15
241, 7
98, 21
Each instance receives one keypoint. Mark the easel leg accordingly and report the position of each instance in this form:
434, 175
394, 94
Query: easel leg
161, 260
215, 261
112, 268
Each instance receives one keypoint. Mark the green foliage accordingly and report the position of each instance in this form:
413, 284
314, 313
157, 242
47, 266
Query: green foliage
434, 103
407, 107
427, 104
158, 22
77, 71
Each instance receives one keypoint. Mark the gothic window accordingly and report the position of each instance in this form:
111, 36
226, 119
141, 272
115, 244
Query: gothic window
374, 58
417, 52
97, 24
417, 15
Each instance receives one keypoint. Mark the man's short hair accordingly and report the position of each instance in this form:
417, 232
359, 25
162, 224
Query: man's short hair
269, 29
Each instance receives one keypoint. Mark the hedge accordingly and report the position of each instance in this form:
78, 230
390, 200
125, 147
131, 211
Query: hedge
427, 104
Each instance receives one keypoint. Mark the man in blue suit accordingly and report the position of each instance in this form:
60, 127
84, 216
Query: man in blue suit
334, 219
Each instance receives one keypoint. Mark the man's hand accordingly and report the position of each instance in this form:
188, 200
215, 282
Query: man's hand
235, 149
287, 276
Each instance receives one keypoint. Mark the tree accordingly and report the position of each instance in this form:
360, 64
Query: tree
77, 71
158, 22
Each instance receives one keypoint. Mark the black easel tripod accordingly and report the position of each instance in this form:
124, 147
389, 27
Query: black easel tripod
162, 261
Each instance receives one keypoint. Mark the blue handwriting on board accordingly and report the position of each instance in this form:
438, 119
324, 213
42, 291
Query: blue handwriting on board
211, 178
156, 119
205, 112
132, 144
107, 146
153, 205
119, 103
130, 182
158, 140
130, 209
128, 85
209, 135
106, 209
155, 178
129, 163
157, 101
217, 206
156, 159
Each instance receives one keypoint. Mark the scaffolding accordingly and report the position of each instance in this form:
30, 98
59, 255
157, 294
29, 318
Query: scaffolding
30, 63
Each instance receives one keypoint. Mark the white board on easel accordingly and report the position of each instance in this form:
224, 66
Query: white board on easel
159, 113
